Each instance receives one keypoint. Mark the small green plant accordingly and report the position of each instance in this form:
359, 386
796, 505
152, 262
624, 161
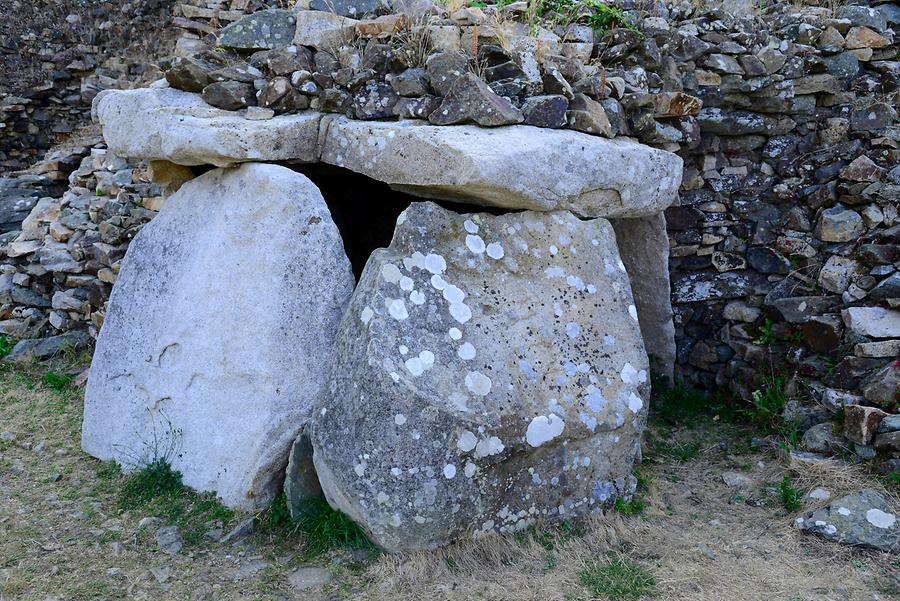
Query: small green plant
323, 529
633, 507
617, 578
6, 345
56, 381
791, 498
765, 333
158, 488
768, 402
157, 479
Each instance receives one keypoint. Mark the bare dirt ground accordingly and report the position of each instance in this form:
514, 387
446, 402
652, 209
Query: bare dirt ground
64, 534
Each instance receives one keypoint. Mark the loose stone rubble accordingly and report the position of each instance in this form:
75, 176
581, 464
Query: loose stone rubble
862, 519
220, 387
489, 372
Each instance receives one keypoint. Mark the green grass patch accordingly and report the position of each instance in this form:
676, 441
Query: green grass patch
158, 490
321, 528
617, 578
57, 382
791, 498
6, 345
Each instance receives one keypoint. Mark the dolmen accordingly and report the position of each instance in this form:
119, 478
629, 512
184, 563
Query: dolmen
489, 369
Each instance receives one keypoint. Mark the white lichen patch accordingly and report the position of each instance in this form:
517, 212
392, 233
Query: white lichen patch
544, 428
495, 251
391, 273
416, 297
843, 511
573, 330
635, 403
435, 264
470, 226
396, 308
366, 315
478, 383
466, 351
475, 244
399, 419
454, 333
470, 469
880, 519
632, 310
466, 441
488, 446
449, 471
460, 312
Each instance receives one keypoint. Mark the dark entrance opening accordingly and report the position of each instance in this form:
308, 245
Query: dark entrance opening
366, 210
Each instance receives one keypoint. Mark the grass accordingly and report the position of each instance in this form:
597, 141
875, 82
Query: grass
6, 345
618, 579
158, 490
791, 498
56, 381
322, 528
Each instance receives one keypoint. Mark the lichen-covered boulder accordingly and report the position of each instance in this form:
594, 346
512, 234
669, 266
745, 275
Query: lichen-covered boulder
489, 372
218, 332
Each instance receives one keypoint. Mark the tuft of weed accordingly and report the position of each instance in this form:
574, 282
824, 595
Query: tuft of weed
617, 578
157, 479
791, 497
56, 381
323, 529
768, 402
633, 507
6, 345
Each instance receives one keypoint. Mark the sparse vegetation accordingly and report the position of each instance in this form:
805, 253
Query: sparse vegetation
618, 578
56, 381
6, 345
322, 528
791, 497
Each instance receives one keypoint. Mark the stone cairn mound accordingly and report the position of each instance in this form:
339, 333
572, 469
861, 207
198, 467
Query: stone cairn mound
488, 370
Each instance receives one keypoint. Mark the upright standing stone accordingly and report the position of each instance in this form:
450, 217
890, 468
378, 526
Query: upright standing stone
218, 332
489, 373
644, 246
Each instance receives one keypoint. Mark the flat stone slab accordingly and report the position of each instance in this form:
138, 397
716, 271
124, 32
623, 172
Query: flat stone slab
218, 332
513, 167
164, 123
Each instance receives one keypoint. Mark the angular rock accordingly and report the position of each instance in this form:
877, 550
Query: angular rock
839, 224
822, 439
471, 100
838, 273
188, 74
323, 30
196, 133
546, 111
875, 116
444, 68
483, 378
588, 116
374, 100
214, 345
45, 348
507, 167
873, 322
260, 30
862, 519
881, 387
860, 423
346, 8
229, 95
644, 248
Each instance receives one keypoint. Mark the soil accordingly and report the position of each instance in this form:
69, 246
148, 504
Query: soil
64, 536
